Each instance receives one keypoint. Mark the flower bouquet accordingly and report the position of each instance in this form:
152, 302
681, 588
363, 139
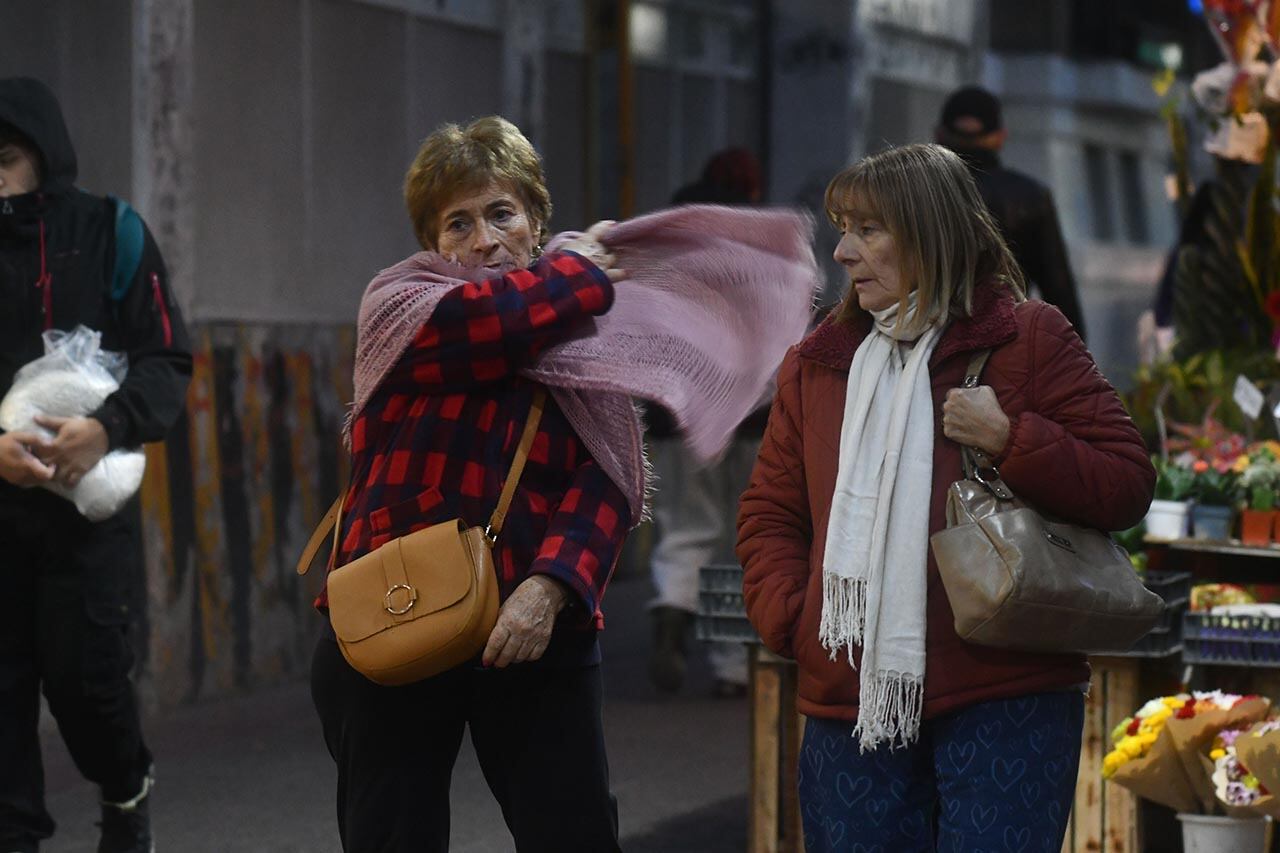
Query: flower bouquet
1259, 750
1237, 789
1157, 750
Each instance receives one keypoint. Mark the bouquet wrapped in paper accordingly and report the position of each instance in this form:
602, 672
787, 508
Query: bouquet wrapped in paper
1237, 789
1258, 749
1158, 751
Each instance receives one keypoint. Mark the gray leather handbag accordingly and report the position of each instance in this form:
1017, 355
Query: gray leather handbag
1018, 579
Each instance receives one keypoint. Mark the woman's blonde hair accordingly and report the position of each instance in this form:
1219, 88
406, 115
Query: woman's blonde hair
947, 242
453, 159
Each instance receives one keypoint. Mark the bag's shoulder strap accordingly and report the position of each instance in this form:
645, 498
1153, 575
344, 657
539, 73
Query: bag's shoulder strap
973, 373
517, 465
977, 464
327, 523
333, 517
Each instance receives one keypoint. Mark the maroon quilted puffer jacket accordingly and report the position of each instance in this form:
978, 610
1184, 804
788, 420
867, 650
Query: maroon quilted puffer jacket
1073, 452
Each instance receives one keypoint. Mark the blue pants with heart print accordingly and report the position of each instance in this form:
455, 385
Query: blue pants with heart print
991, 778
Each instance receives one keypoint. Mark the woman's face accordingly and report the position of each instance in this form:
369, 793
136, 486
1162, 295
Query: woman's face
488, 228
870, 254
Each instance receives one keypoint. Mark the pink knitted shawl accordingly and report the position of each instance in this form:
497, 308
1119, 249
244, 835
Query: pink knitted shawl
713, 298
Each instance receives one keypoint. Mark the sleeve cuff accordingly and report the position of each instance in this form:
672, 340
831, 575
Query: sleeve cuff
597, 276
1009, 444
579, 605
114, 422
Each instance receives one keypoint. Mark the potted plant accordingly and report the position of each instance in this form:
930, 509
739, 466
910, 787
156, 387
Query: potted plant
1167, 517
1258, 485
1212, 491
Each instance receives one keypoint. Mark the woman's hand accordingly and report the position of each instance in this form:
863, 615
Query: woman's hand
972, 417
525, 622
589, 246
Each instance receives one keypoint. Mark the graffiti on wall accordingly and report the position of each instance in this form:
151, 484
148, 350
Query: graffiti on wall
228, 502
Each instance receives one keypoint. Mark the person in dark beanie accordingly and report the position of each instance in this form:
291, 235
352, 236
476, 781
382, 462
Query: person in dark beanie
972, 125
68, 258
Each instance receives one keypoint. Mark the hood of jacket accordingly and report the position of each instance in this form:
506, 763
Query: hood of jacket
32, 108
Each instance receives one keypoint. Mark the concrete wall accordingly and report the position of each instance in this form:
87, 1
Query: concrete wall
228, 502
83, 50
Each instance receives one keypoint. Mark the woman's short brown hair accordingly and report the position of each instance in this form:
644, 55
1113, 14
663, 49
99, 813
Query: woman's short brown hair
453, 159
947, 241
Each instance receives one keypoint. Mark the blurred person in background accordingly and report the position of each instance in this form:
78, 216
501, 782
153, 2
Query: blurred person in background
70, 586
694, 506
972, 125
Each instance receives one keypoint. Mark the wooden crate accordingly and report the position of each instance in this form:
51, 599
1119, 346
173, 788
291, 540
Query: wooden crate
1104, 817
776, 732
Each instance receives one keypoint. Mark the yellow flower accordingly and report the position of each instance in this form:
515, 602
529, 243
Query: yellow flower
1131, 747
1111, 763
1217, 753
1148, 738
1241, 464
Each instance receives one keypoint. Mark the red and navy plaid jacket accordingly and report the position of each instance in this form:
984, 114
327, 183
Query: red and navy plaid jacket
437, 438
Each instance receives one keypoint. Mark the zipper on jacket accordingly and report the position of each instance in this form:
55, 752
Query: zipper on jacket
158, 296
45, 283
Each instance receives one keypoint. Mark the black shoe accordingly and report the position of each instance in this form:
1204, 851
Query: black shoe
726, 689
667, 661
126, 827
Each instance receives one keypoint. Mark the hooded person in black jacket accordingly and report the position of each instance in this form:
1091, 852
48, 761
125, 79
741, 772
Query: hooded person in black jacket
972, 126
68, 258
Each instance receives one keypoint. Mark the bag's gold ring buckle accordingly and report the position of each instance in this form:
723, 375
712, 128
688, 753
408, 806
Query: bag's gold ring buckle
413, 598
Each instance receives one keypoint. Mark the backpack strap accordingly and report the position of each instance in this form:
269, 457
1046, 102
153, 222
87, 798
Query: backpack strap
130, 238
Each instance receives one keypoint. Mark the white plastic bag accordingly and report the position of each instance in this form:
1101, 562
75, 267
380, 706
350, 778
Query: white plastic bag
73, 378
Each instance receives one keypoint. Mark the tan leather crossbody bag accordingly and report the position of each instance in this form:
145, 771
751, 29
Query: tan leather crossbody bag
425, 602
1018, 579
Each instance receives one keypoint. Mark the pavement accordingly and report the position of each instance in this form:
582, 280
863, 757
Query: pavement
250, 773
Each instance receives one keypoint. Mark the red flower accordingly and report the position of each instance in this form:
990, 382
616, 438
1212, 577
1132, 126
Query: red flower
1133, 727
1273, 305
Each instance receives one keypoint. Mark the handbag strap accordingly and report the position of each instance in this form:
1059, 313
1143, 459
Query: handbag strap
332, 519
977, 464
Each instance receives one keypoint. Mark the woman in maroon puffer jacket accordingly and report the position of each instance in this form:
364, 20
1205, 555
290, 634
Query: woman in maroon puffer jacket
917, 740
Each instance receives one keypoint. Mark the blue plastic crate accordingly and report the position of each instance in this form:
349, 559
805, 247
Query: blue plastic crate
1231, 640
722, 616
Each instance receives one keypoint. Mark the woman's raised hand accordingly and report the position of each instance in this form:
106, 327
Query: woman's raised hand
973, 417
589, 246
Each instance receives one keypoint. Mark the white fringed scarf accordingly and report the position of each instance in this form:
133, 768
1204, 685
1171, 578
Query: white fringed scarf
874, 565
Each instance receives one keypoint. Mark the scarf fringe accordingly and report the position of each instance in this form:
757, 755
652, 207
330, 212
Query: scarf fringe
844, 614
891, 712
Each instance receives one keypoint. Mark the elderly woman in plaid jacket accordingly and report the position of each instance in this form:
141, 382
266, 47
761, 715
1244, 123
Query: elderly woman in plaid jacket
434, 441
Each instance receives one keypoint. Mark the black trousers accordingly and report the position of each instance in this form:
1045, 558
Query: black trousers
66, 592
537, 731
